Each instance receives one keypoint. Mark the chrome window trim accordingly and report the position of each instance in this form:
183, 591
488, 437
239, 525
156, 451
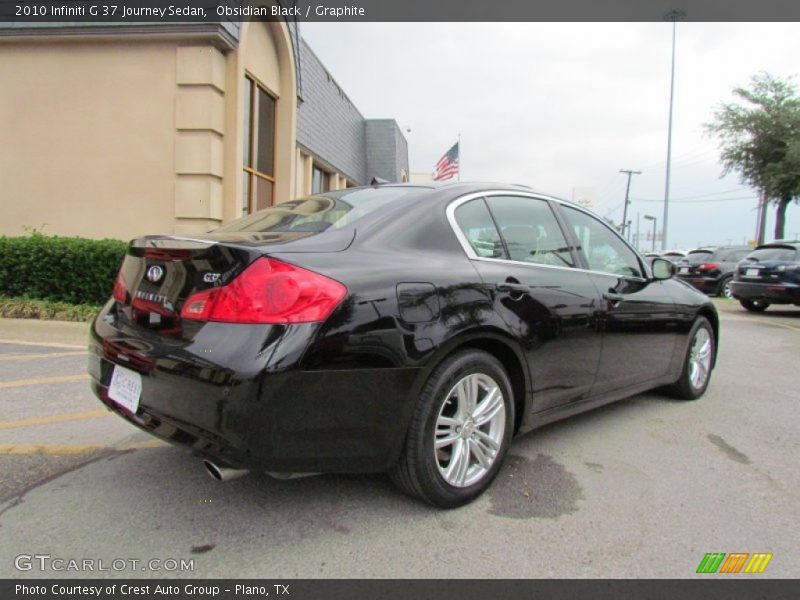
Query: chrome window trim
468, 250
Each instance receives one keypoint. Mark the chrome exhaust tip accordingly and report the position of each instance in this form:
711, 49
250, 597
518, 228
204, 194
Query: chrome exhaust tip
223, 473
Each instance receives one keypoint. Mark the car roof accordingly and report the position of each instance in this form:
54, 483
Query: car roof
716, 249
477, 186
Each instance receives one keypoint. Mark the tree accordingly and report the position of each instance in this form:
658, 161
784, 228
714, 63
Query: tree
759, 138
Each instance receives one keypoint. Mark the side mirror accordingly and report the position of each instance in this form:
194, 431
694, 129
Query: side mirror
662, 268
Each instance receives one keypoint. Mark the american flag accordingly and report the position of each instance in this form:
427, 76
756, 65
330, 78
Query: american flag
447, 167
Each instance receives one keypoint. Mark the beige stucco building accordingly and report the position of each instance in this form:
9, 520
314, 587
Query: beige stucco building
122, 131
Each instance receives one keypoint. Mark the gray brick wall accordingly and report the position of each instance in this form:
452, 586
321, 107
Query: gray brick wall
387, 150
328, 124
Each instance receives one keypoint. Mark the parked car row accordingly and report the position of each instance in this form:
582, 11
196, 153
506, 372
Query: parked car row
711, 270
768, 274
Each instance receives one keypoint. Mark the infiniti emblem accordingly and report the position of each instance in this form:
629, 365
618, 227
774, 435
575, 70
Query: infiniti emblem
155, 273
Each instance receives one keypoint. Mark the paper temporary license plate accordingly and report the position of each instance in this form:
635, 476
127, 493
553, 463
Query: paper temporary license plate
751, 273
125, 388
684, 269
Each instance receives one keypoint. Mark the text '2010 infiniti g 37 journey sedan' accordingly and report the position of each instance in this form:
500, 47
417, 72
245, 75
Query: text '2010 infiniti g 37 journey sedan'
397, 328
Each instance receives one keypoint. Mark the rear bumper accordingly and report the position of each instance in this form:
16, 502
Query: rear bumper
707, 285
245, 402
774, 293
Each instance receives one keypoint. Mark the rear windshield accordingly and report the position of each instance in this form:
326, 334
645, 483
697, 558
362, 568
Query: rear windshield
696, 257
332, 210
773, 253
732, 255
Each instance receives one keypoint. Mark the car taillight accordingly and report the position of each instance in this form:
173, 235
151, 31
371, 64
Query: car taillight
120, 289
708, 266
268, 291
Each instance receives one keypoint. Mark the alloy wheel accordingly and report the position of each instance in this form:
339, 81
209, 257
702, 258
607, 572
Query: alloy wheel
469, 430
726, 290
700, 358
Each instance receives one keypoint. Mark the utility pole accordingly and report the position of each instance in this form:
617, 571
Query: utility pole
673, 16
655, 225
628, 172
761, 221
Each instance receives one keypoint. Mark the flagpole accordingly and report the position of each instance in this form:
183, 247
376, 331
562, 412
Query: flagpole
459, 157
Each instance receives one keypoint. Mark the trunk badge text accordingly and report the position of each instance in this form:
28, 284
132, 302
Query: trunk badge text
210, 277
156, 298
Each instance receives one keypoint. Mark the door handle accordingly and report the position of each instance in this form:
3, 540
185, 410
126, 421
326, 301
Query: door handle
513, 288
613, 299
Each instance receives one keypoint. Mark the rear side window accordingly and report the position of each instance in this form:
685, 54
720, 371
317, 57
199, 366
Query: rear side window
476, 224
530, 230
604, 251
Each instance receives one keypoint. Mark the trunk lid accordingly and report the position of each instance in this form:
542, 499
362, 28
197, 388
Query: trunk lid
160, 272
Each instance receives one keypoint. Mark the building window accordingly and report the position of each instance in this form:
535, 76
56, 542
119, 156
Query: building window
259, 147
319, 181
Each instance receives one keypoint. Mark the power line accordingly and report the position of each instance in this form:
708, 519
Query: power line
731, 191
693, 201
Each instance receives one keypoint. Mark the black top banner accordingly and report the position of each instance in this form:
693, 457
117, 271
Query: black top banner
89, 12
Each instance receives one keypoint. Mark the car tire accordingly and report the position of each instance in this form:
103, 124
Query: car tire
725, 288
449, 457
754, 305
697, 363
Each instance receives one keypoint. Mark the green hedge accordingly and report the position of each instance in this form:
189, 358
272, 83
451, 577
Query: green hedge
61, 269
28, 308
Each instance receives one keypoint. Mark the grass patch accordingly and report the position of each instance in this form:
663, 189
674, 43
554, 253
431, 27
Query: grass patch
31, 308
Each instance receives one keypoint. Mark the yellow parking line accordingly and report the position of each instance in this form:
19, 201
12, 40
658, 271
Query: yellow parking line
4, 357
42, 344
13, 449
71, 449
91, 414
39, 380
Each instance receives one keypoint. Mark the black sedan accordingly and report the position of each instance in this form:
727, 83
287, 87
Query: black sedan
769, 275
397, 328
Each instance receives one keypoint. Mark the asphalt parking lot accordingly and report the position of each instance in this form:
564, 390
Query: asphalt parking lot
642, 488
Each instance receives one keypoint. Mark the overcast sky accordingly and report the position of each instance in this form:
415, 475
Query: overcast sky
559, 106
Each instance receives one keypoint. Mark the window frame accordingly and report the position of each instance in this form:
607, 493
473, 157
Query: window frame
555, 204
643, 267
501, 239
252, 172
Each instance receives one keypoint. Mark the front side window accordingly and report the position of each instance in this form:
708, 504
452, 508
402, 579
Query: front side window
603, 249
530, 230
476, 224
258, 133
